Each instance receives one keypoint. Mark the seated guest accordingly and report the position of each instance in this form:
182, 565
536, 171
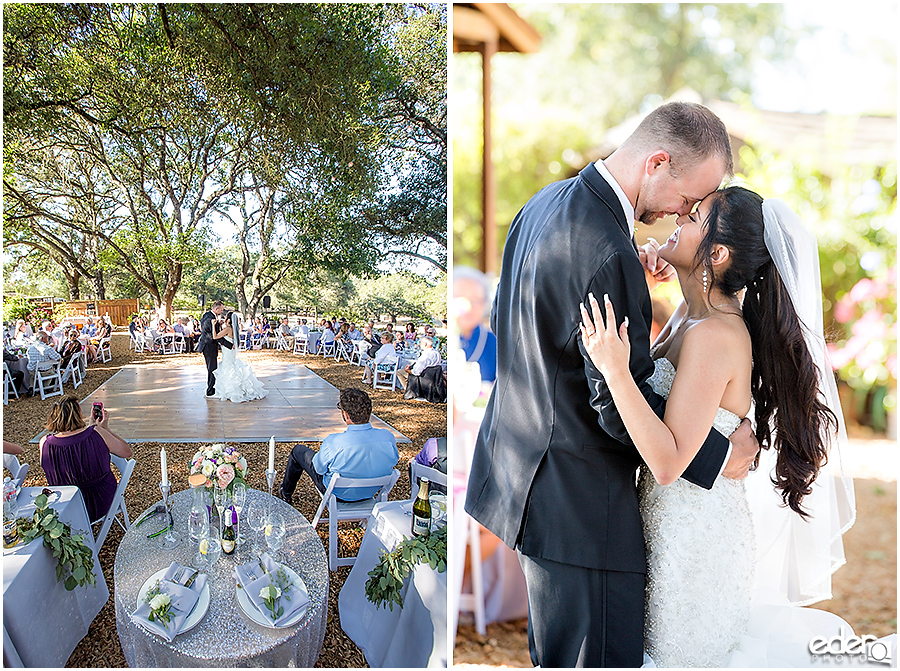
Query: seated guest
301, 330
410, 335
73, 453
386, 355
90, 329
359, 452
328, 334
18, 377
179, 328
41, 350
70, 349
343, 339
23, 333
135, 327
428, 358
355, 333
470, 289
434, 455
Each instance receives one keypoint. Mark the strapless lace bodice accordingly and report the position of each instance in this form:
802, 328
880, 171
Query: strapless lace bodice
700, 558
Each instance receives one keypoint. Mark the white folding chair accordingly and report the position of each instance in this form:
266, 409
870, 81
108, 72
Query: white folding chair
300, 344
8, 383
418, 470
359, 349
126, 468
16, 470
281, 342
339, 511
327, 348
48, 371
73, 370
342, 352
384, 375
104, 350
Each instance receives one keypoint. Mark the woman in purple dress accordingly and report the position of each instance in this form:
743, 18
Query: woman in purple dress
75, 453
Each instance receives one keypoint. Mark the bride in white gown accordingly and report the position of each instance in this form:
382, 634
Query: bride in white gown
235, 380
727, 573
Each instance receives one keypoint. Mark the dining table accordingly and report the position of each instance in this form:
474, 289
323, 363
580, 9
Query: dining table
42, 621
225, 636
414, 635
312, 341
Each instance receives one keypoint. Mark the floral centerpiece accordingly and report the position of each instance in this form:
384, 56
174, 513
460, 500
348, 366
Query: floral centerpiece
221, 464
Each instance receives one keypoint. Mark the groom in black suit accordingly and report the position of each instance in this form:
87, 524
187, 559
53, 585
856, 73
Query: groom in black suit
553, 473
209, 345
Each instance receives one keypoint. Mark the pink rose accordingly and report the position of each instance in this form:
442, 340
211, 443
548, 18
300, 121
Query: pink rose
225, 473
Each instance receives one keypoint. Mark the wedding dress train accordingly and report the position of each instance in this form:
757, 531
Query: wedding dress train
701, 607
235, 380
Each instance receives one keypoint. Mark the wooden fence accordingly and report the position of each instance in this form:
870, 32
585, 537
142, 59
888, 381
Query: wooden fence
119, 311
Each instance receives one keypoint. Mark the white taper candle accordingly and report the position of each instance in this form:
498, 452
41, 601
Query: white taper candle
163, 466
272, 453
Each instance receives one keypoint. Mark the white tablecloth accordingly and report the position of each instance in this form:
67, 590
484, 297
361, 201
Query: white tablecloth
412, 636
225, 637
44, 621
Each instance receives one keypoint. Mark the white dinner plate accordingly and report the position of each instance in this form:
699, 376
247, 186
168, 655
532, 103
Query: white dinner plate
200, 608
251, 611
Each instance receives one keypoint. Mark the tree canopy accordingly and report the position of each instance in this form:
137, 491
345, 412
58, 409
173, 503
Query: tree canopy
130, 128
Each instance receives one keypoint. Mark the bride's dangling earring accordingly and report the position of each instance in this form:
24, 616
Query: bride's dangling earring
705, 282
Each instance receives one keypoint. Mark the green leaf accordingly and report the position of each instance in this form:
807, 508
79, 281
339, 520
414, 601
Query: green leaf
79, 573
40, 502
70, 583
46, 522
56, 531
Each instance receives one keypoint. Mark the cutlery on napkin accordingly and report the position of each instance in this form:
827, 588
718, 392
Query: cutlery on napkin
257, 574
183, 600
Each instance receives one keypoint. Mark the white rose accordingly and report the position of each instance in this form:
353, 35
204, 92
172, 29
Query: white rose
207, 468
159, 601
243, 463
198, 455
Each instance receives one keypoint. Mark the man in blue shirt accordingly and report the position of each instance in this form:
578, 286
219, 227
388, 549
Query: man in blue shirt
358, 452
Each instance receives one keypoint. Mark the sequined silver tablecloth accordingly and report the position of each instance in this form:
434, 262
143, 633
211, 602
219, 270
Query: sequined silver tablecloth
225, 637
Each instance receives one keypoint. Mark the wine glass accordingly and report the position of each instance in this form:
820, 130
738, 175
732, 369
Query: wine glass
220, 494
275, 531
256, 516
239, 498
200, 525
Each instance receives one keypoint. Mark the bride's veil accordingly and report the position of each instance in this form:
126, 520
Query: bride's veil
796, 557
236, 328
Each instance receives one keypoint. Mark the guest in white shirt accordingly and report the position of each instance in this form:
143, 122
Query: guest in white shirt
386, 354
428, 358
355, 333
301, 330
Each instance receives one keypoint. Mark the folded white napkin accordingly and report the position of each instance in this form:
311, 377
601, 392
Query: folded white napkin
183, 600
253, 578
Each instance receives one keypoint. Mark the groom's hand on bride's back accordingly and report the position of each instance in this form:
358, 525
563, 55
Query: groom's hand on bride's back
656, 269
744, 448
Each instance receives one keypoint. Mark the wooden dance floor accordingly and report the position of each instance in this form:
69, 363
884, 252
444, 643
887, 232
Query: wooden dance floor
166, 405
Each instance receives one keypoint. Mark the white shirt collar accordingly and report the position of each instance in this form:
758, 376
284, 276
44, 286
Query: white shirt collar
623, 199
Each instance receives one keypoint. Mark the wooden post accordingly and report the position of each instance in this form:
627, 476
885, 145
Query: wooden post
489, 260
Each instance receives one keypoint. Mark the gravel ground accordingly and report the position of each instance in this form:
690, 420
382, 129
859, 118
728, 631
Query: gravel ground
24, 418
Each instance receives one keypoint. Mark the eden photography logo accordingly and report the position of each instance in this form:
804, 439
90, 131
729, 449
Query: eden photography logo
855, 649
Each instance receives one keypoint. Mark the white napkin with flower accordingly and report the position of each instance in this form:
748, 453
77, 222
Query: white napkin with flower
254, 579
182, 602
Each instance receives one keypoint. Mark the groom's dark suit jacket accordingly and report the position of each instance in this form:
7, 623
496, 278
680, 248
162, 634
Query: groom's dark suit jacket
206, 332
554, 469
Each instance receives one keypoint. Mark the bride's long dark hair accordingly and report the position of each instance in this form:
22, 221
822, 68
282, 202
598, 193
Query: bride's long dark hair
784, 379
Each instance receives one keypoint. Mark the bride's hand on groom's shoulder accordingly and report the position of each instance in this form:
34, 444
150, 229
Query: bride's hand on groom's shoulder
656, 269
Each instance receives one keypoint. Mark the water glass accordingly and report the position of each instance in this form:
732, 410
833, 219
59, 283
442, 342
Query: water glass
200, 529
275, 531
213, 546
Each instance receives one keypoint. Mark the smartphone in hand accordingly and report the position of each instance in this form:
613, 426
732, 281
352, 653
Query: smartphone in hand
98, 411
